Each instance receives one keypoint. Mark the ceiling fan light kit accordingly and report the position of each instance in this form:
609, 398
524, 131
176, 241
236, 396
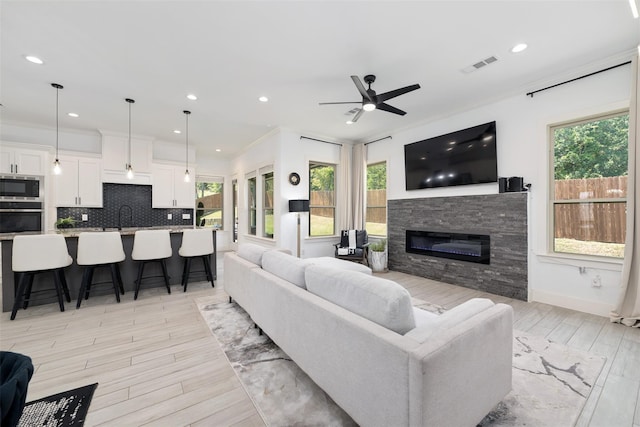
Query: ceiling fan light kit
372, 101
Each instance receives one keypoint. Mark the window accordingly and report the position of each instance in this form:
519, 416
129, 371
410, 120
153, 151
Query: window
267, 205
251, 202
589, 189
209, 195
322, 205
234, 185
377, 199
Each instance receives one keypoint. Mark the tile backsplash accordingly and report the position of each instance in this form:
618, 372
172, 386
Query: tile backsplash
127, 205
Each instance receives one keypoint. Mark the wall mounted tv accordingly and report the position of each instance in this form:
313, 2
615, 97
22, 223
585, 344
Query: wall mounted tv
464, 157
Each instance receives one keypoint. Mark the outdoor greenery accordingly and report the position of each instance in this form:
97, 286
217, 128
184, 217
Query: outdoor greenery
322, 177
377, 176
208, 188
572, 246
592, 150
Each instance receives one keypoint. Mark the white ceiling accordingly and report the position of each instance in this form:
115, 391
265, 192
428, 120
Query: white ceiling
297, 53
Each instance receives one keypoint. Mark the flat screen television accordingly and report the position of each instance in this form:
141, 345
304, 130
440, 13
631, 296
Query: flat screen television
463, 157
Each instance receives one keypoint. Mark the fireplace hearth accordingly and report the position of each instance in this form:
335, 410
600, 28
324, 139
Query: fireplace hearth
458, 246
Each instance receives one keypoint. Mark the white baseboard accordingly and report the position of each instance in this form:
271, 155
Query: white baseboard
585, 306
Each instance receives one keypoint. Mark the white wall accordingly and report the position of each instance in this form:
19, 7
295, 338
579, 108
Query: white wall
523, 150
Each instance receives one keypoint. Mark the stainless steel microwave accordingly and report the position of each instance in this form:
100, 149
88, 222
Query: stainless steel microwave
21, 187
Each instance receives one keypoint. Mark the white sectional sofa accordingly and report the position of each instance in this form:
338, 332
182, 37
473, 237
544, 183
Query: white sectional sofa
358, 337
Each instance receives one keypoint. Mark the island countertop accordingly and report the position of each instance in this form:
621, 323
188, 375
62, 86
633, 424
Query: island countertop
74, 232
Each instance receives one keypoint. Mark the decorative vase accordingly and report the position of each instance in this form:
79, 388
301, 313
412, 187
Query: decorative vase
378, 261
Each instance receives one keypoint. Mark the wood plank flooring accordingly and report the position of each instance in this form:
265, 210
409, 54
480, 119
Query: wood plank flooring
157, 363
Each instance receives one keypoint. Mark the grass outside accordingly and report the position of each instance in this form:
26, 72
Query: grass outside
571, 246
323, 226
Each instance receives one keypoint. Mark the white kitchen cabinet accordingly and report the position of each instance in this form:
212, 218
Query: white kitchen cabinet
169, 189
14, 160
115, 153
80, 183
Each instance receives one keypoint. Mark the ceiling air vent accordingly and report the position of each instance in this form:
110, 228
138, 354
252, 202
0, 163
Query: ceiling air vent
479, 64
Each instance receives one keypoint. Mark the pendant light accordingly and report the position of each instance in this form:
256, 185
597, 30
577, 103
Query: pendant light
130, 174
187, 178
56, 164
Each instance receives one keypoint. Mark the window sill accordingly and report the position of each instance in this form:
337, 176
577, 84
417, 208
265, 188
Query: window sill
259, 238
322, 238
573, 260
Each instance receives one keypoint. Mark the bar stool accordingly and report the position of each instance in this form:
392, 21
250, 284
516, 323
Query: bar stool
196, 244
100, 249
36, 254
151, 246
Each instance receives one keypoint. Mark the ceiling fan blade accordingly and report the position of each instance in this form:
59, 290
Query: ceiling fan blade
386, 107
361, 88
332, 103
392, 94
357, 116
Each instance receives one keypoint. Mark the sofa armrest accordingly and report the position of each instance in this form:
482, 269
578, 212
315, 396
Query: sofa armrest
469, 362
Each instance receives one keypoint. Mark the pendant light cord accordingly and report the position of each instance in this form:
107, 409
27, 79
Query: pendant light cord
186, 113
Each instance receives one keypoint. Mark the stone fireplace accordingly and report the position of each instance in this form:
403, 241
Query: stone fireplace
479, 242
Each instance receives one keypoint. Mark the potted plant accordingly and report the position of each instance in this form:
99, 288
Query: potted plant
67, 222
378, 255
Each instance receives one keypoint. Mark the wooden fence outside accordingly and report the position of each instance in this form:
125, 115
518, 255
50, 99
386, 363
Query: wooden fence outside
600, 221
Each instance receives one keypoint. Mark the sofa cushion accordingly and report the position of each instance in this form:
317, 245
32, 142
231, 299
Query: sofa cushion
339, 264
285, 266
252, 252
379, 300
450, 318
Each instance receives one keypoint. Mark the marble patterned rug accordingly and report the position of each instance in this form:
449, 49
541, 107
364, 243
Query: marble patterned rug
551, 382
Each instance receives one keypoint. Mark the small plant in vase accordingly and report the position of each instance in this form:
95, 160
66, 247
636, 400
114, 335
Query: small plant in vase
67, 222
378, 255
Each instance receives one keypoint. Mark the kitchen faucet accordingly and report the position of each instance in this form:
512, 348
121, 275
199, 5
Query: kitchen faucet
120, 216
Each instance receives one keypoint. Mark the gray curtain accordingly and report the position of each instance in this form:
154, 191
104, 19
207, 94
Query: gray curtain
627, 310
358, 177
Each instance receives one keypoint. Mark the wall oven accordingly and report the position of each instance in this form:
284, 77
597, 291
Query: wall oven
21, 203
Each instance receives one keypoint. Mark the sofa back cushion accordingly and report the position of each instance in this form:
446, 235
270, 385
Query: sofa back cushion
252, 252
379, 300
285, 266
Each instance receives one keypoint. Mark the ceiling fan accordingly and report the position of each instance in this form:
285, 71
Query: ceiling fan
371, 101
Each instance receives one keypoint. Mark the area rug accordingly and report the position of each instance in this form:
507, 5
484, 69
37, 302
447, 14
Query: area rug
66, 409
551, 382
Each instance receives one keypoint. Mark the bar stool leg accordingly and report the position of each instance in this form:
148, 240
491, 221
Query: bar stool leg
114, 279
58, 282
166, 276
140, 270
207, 269
65, 288
119, 278
83, 286
19, 295
185, 275
27, 292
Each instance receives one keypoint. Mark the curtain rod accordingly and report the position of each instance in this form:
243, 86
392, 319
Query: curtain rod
379, 139
578, 78
319, 140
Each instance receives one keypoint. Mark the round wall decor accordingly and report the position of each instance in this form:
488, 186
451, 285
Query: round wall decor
294, 178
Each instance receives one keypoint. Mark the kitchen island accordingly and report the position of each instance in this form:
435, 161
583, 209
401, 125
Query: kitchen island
128, 267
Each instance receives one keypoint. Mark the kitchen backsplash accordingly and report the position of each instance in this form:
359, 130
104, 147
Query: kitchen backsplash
132, 203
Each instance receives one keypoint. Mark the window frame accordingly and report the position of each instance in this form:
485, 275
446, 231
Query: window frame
252, 227
268, 177
210, 179
367, 206
234, 208
312, 165
552, 202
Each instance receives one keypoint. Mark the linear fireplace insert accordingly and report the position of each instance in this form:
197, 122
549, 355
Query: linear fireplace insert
459, 246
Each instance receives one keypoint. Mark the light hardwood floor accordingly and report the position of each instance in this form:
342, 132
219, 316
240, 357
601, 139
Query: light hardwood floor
157, 363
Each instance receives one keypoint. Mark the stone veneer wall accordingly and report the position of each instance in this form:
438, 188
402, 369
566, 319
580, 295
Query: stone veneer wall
502, 216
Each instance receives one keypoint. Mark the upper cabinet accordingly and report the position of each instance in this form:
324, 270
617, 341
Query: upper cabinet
23, 161
170, 190
79, 184
115, 157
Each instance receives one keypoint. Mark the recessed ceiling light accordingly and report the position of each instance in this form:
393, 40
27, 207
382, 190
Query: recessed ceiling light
263, 99
192, 97
349, 122
34, 59
218, 150
177, 131
519, 48
73, 115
